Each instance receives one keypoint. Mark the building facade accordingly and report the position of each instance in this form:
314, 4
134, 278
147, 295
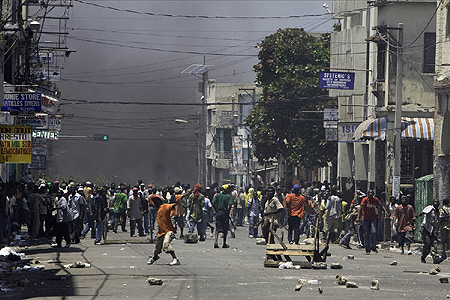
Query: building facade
366, 43
228, 142
442, 112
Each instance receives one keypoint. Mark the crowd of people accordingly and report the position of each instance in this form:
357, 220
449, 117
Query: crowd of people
70, 211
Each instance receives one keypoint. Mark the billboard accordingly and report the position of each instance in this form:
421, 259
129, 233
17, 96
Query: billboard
24, 102
238, 167
15, 144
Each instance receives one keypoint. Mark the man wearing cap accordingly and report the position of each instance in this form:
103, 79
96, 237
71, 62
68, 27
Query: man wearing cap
222, 203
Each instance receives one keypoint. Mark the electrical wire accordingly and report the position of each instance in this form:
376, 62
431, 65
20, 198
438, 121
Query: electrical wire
199, 16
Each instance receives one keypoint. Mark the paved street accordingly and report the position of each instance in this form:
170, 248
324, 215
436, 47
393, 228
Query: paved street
119, 271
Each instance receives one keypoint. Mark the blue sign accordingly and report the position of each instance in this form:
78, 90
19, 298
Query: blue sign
25, 102
337, 80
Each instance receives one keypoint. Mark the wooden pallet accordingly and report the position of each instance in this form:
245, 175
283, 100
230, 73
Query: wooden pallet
313, 253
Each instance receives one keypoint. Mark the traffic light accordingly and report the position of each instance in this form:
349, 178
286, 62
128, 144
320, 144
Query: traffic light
100, 137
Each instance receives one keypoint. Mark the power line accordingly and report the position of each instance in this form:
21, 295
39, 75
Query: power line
159, 49
199, 16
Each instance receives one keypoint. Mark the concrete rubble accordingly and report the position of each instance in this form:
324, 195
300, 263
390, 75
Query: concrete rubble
260, 241
154, 281
298, 287
78, 264
336, 266
341, 280
393, 263
375, 285
351, 285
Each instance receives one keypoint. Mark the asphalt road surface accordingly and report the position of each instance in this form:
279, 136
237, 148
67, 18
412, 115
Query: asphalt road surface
120, 271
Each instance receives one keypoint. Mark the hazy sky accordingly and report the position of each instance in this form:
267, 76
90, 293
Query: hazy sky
127, 51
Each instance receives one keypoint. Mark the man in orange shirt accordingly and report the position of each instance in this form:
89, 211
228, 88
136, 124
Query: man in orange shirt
296, 207
166, 232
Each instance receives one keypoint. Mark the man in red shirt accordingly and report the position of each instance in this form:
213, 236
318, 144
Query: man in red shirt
296, 207
404, 219
369, 216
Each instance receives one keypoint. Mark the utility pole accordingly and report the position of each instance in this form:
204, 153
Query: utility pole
398, 114
202, 161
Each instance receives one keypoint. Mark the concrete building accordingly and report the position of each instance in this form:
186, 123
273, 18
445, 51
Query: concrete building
365, 43
228, 142
442, 113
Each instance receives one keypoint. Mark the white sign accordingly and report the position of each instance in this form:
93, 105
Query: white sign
396, 186
238, 167
330, 117
39, 149
346, 131
48, 135
49, 105
54, 124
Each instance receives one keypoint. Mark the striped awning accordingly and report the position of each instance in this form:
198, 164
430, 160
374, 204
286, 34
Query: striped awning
412, 128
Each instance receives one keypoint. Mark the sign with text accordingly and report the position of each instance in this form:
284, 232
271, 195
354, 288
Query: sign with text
48, 135
238, 167
330, 117
346, 131
39, 149
25, 102
15, 144
54, 124
337, 80
39, 162
49, 105
38, 121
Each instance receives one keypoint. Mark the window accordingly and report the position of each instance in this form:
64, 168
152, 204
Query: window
447, 27
223, 140
429, 52
381, 61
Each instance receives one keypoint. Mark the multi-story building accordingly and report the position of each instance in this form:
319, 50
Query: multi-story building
365, 42
442, 113
228, 144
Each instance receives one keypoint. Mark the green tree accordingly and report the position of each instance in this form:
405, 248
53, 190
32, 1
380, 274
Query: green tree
286, 120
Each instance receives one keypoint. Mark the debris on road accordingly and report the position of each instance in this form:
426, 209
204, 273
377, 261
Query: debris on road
78, 264
375, 285
393, 263
350, 257
286, 265
154, 281
319, 265
313, 282
341, 280
302, 281
260, 241
443, 280
336, 266
320, 290
433, 272
298, 287
191, 238
351, 285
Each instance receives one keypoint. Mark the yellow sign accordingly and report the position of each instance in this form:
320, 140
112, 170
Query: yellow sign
15, 144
